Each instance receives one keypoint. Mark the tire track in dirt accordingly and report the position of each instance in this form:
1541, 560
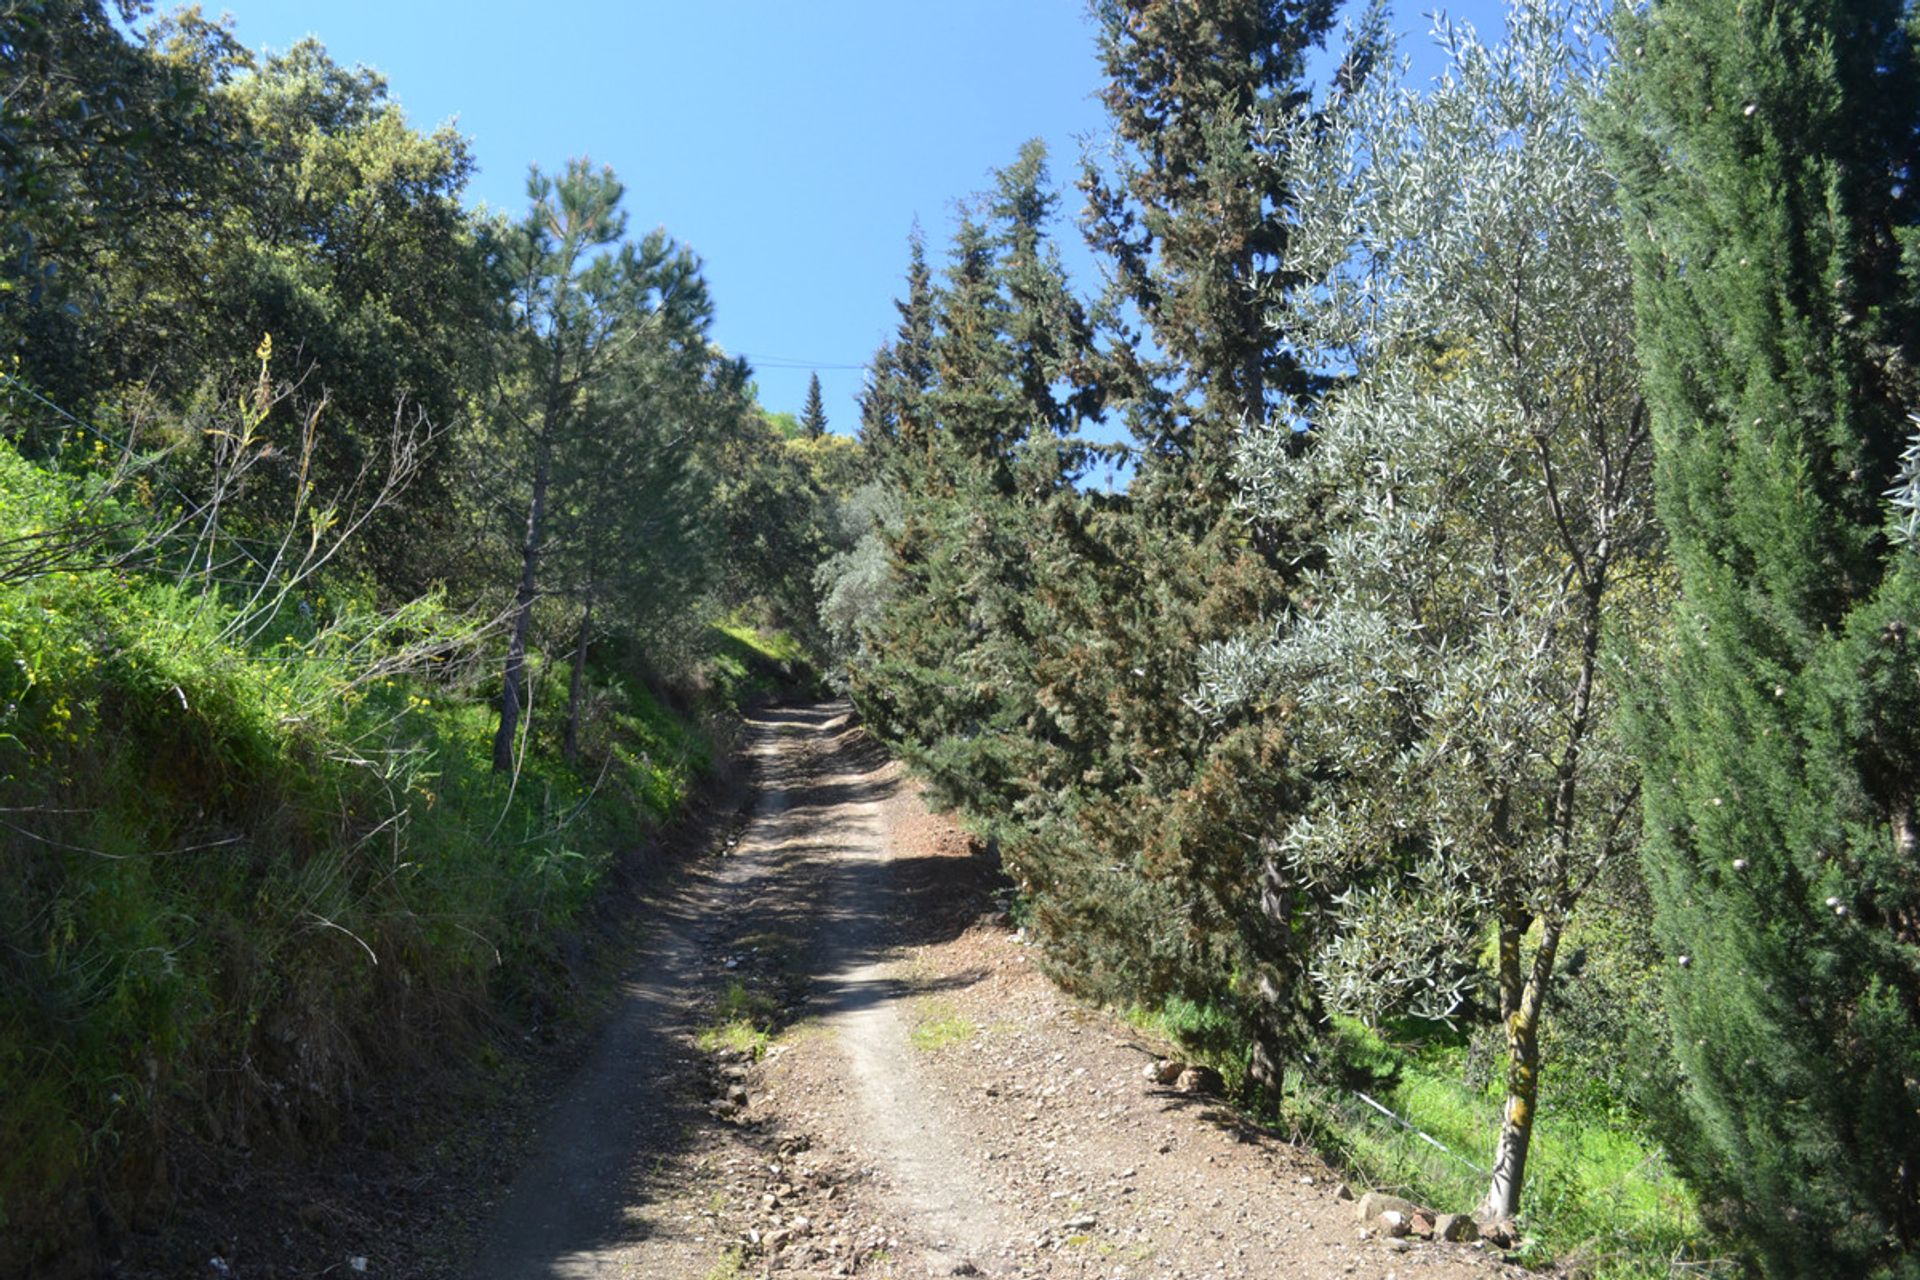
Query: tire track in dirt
597, 1194
977, 1120
1025, 1143
934, 1185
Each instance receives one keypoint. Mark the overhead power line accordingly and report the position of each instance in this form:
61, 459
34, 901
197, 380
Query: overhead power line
790, 362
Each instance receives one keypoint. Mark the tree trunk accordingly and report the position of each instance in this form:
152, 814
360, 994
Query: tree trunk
515, 676
1278, 984
1256, 388
577, 686
1521, 1005
1267, 1064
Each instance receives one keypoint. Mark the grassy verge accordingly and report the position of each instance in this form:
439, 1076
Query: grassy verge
1598, 1191
256, 862
751, 664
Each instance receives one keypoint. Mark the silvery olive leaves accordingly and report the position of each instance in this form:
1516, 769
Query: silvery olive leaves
1479, 477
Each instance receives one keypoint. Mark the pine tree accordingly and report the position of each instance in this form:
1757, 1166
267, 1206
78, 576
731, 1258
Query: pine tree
1767, 154
1034, 648
634, 548
813, 416
581, 295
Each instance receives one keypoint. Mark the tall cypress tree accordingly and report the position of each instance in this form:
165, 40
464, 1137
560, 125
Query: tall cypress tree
1766, 152
893, 405
858, 580
1192, 218
976, 436
813, 415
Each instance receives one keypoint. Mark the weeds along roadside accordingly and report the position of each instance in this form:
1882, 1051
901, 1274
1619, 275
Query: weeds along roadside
1407, 1109
251, 869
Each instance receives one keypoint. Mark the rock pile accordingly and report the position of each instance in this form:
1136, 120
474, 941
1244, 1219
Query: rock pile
727, 1072
1395, 1218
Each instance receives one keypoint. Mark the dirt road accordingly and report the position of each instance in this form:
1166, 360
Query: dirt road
929, 1105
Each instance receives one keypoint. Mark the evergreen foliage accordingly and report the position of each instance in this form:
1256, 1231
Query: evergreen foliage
1192, 218
104, 141
1766, 155
282, 424
182, 197
772, 497
586, 305
893, 407
980, 448
813, 415
1038, 642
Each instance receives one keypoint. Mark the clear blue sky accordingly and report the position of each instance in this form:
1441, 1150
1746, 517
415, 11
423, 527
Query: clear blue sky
792, 145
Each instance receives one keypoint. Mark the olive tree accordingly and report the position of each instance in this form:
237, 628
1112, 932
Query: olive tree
1479, 476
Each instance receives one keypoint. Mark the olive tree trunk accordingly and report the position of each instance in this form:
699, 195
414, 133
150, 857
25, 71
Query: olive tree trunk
1523, 996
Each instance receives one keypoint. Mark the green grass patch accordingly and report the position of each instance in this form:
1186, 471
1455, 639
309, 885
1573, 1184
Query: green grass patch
1594, 1190
1598, 1189
750, 664
1204, 1033
736, 1035
939, 1025
731, 1266
742, 1021
767, 644
741, 1003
